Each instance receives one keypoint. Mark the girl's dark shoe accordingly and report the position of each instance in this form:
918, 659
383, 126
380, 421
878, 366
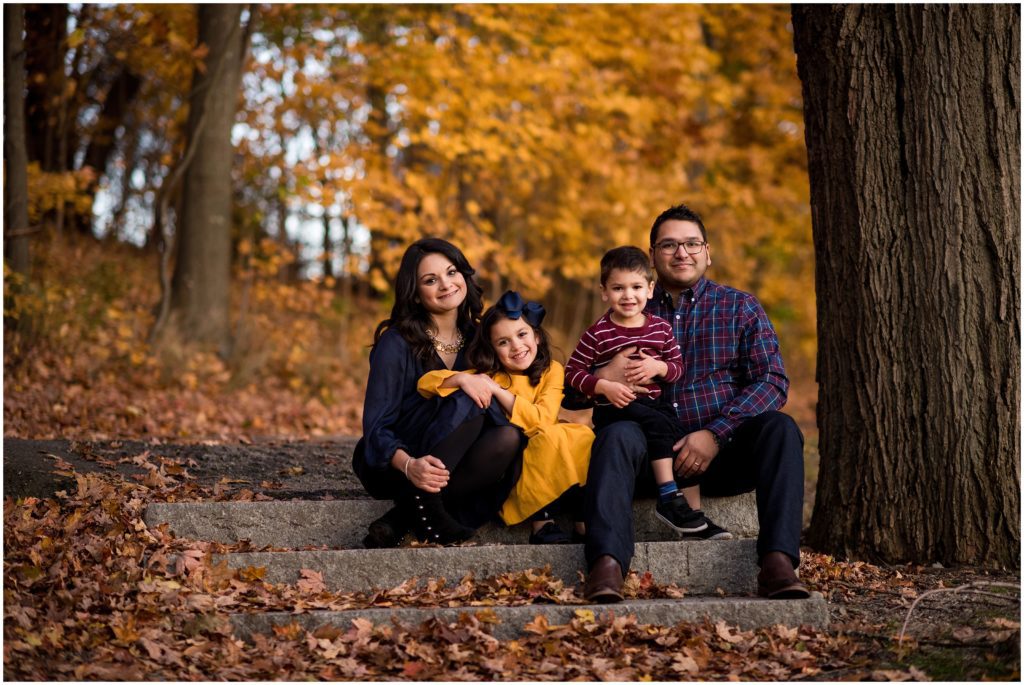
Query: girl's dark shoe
387, 531
549, 534
431, 523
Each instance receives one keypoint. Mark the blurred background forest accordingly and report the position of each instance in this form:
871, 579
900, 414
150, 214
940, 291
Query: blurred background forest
533, 136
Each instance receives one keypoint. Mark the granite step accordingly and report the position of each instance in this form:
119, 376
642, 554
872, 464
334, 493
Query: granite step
701, 567
508, 622
342, 524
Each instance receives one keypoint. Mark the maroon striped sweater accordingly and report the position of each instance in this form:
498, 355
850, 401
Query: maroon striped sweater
605, 338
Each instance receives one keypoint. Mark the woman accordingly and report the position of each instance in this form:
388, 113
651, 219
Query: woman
463, 480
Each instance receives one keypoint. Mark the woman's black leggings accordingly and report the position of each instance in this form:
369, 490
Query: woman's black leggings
477, 455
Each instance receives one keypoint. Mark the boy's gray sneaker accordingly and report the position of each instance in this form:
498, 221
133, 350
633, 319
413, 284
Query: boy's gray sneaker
679, 516
712, 532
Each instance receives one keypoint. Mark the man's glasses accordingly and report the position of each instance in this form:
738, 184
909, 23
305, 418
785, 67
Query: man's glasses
669, 247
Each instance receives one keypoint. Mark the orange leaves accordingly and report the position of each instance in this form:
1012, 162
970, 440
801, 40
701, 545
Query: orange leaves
92, 374
171, 623
311, 582
252, 573
47, 191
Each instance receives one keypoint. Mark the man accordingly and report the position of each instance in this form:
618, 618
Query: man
727, 400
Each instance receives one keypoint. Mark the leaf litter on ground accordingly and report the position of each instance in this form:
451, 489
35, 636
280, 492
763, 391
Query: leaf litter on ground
93, 593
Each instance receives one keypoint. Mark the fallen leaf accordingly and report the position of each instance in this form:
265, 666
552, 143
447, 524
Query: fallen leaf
723, 631
894, 676
311, 581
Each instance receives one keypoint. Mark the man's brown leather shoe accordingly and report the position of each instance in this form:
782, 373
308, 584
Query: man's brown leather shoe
778, 580
604, 584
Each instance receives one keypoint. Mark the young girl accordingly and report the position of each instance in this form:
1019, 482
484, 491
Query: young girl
519, 383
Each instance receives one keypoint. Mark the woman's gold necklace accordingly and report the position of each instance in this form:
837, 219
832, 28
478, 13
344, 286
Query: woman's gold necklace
447, 348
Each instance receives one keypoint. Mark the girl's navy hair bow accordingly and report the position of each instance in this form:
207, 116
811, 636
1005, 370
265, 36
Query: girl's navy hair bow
514, 306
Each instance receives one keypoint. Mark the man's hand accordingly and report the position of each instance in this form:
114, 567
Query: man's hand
695, 453
428, 473
618, 394
644, 369
479, 387
615, 370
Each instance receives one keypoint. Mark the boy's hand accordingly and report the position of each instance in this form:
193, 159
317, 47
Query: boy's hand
618, 394
644, 368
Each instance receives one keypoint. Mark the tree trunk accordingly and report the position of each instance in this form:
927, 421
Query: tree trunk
130, 149
118, 99
912, 124
102, 141
202, 273
328, 256
16, 229
46, 29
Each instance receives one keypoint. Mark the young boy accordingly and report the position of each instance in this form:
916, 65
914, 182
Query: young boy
626, 285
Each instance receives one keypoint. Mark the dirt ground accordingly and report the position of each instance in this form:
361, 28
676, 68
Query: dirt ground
970, 634
280, 469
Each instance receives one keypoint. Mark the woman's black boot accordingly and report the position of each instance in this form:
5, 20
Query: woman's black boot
431, 523
388, 530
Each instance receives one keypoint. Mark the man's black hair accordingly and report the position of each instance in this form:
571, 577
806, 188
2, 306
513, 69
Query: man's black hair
678, 213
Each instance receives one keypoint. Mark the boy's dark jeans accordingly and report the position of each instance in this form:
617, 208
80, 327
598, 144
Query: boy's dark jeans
658, 422
765, 454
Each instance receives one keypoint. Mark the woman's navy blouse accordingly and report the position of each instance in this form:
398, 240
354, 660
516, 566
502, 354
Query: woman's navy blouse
395, 415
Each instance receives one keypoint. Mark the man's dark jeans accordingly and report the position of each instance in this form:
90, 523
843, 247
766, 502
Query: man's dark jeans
765, 454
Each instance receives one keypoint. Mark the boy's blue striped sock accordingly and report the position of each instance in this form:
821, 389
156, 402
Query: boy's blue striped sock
667, 491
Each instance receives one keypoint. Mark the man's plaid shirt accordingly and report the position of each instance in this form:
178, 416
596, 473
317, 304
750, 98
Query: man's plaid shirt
732, 367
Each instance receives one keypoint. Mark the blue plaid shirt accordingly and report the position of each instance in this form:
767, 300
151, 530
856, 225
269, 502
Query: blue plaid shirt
732, 367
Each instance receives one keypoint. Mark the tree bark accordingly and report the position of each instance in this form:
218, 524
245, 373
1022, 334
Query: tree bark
202, 275
116, 104
912, 124
46, 29
16, 228
102, 140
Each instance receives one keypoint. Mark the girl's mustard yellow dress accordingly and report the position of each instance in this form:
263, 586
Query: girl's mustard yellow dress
557, 454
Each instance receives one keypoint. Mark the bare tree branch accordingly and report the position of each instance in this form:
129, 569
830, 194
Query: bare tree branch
968, 588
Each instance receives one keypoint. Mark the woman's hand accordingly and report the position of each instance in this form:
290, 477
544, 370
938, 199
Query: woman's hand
477, 386
428, 473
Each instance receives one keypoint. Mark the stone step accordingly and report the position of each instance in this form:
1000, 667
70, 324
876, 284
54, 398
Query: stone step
342, 523
746, 613
701, 567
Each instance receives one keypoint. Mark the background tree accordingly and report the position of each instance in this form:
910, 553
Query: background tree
912, 120
200, 292
16, 228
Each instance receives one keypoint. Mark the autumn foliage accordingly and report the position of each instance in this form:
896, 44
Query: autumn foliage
89, 371
534, 136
